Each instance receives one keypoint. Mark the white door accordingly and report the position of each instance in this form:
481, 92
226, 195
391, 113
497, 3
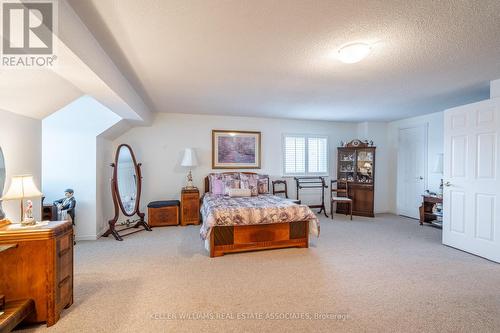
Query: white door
471, 217
412, 167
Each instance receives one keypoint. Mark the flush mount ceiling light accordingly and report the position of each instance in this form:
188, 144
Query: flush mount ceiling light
354, 52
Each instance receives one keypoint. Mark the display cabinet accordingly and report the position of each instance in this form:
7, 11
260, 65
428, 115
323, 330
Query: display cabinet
356, 165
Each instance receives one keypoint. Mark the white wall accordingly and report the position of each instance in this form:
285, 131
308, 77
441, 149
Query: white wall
378, 132
20, 140
104, 202
70, 158
495, 89
435, 124
160, 149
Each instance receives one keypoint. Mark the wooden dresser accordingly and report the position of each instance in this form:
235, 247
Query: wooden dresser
39, 265
190, 206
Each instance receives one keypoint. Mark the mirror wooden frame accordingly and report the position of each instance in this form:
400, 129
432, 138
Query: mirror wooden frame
117, 202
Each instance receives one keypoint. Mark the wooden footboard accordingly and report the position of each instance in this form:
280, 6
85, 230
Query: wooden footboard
229, 239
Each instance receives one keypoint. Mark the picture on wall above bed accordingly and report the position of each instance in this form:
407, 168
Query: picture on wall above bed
235, 149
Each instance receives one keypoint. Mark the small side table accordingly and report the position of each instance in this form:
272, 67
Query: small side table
427, 208
190, 206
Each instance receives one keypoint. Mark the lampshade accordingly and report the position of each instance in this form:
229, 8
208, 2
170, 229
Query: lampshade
438, 166
22, 187
189, 159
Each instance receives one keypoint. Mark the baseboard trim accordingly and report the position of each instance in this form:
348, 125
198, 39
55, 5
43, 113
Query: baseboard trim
86, 238
91, 237
100, 233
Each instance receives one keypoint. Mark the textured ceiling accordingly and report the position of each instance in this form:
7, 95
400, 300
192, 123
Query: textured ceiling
273, 58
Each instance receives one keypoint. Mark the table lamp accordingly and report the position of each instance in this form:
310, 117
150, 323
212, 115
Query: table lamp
22, 187
438, 168
189, 160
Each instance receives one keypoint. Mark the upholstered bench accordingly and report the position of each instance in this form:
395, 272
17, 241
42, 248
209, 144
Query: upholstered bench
163, 213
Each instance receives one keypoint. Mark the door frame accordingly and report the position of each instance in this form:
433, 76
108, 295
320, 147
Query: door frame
425, 126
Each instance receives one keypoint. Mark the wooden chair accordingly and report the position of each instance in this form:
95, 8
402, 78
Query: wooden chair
284, 190
341, 195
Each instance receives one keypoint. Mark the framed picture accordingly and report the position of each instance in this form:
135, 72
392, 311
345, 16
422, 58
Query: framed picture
235, 149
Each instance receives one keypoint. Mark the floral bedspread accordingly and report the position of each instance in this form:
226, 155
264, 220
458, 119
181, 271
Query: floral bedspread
219, 210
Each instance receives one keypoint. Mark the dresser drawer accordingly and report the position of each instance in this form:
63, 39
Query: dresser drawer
190, 196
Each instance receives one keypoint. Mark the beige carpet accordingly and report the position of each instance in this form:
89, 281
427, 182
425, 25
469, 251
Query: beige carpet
374, 275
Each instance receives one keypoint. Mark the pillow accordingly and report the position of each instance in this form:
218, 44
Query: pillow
251, 185
229, 181
217, 186
250, 182
263, 184
240, 192
212, 178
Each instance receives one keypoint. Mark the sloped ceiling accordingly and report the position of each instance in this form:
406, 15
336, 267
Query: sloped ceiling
273, 58
34, 93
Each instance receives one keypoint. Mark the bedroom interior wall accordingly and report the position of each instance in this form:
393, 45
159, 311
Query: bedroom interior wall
160, 147
435, 142
70, 159
495, 89
377, 131
104, 207
20, 140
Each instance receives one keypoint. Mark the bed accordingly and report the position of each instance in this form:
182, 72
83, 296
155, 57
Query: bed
254, 223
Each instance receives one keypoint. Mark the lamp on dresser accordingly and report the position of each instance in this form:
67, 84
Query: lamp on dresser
21, 188
189, 160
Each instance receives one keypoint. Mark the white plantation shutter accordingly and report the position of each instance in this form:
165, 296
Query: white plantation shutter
305, 155
317, 155
295, 155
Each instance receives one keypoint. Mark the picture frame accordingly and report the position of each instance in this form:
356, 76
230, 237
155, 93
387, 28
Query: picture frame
236, 149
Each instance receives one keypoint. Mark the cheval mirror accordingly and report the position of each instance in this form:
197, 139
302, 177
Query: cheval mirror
126, 192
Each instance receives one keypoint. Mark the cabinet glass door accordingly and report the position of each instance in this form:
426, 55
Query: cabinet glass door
364, 166
347, 165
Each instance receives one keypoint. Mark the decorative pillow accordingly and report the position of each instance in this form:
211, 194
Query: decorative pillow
251, 185
212, 179
239, 192
263, 184
250, 182
230, 180
217, 186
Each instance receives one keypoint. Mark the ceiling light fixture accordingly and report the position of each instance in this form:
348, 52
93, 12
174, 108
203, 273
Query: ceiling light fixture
354, 52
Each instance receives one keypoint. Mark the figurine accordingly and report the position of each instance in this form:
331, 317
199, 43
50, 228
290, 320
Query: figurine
67, 204
29, 210
371, 143
28, 214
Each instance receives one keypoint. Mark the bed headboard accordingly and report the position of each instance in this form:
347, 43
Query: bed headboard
207, 182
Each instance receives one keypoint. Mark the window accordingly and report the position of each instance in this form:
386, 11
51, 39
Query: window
305, 155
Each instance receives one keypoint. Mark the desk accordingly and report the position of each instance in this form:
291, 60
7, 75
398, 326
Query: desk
426, 209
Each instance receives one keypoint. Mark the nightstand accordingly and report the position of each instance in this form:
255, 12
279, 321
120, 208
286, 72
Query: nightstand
190, 206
